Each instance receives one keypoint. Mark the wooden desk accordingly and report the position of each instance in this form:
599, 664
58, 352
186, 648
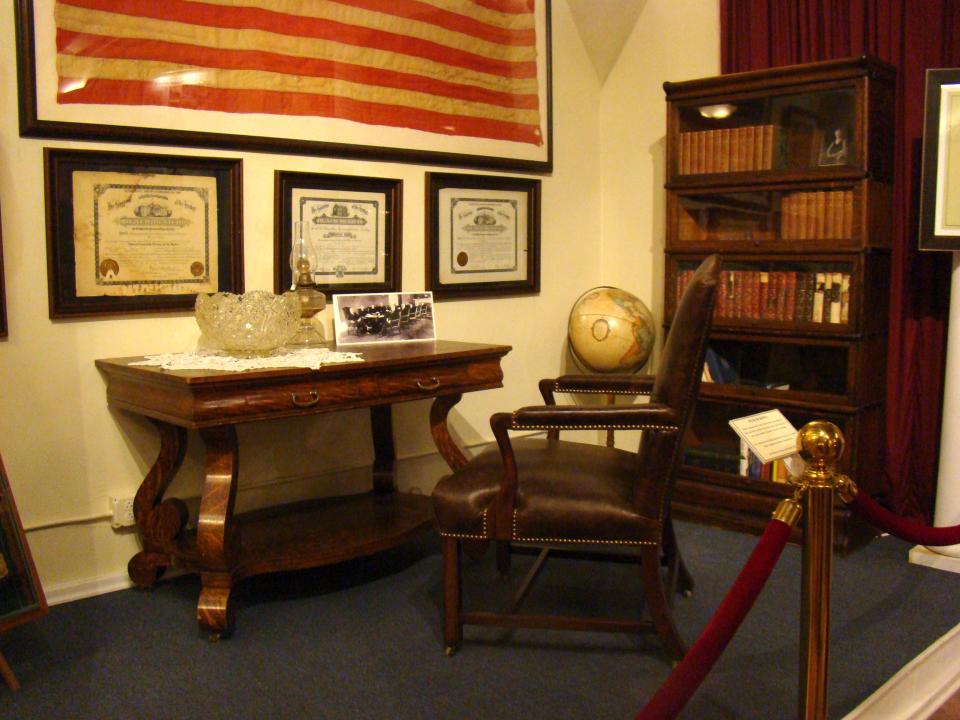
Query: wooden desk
226, 547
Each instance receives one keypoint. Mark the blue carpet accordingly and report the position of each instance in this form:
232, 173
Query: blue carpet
362, 640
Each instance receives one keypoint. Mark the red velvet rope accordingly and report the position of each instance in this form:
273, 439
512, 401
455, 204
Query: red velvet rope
669, 700
901, 527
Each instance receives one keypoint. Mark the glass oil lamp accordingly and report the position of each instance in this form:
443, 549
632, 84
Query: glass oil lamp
303, 260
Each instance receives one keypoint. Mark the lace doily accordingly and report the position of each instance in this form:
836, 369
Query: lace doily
311, 358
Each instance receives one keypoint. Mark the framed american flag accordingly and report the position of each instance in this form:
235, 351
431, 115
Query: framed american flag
450, 82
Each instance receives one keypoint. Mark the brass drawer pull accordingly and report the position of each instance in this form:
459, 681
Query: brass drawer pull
311, 399
432, 384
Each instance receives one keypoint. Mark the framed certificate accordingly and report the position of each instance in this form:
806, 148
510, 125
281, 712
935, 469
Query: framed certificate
351, 225
133, 233
940, 183
3, 294
483, 235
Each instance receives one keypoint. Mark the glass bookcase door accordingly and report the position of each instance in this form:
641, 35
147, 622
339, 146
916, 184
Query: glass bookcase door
802, 294
799, 131
712, 445
769, 219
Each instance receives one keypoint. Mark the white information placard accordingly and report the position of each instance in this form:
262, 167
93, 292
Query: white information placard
769, 435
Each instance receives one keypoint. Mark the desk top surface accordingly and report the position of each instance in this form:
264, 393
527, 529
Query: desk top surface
376, 358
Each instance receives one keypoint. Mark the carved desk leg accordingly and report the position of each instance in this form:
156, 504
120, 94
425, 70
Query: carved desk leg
384, 454
159, 521
441, 433
218, 543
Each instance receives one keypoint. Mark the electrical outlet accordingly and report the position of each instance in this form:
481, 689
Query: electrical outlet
122, 509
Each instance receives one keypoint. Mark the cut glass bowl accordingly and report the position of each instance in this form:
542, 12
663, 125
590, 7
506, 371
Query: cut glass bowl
255, 323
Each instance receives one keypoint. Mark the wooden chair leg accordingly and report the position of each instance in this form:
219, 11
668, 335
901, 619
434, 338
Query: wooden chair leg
452, 623
657, 602
7, 673
679, 576
503, 558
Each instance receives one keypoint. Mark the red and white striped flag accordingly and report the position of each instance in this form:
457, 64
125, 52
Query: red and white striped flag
457, 67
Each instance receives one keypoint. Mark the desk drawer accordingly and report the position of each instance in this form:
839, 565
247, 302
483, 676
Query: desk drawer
309, 397
441, 380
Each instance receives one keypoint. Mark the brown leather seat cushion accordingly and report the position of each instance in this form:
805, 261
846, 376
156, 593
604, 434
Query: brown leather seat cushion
567, 492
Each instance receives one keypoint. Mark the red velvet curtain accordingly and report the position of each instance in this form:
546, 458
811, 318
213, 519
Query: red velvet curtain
912, 35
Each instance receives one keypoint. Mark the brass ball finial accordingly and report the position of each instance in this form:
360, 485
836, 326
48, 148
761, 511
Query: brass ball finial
820, 443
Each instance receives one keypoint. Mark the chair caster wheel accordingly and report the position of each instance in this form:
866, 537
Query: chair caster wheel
450, 650
687, 594
213, 637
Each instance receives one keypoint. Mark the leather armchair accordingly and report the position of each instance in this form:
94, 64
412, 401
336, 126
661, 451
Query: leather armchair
550, 493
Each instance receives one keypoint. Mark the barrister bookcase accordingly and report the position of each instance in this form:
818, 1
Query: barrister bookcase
787, 173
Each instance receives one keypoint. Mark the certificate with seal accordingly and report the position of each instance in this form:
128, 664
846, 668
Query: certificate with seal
351, 225
483, 234
137, 232
144, 234
346, 231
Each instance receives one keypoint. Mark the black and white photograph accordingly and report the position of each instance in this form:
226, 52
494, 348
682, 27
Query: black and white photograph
383, 318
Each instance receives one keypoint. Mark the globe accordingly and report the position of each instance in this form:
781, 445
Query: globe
610, 331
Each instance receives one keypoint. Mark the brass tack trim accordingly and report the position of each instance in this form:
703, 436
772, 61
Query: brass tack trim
471, 536
523, 538
568, 389
521, 425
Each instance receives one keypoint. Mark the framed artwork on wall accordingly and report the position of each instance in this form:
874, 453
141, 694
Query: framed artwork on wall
136, 233
351, 227
3, 293
21, 595
940, 177
466, 85
483, 235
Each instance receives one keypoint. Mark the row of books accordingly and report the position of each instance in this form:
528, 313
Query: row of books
784, 295
739, 149
712, 457
724, 459
817, 215
752, 468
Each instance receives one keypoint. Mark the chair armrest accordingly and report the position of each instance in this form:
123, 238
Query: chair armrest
654, 417
600, 384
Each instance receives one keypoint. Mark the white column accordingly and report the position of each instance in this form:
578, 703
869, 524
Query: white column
947, 508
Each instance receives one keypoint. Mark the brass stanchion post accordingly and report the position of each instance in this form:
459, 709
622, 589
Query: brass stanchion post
820, 444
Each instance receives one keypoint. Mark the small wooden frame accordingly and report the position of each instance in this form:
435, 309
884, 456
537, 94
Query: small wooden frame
483, 235
21, 595
135, 233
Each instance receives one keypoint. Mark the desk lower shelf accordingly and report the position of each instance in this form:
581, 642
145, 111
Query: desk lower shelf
319, 532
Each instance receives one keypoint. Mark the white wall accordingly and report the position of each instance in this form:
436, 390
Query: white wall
66, 453
672, 40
